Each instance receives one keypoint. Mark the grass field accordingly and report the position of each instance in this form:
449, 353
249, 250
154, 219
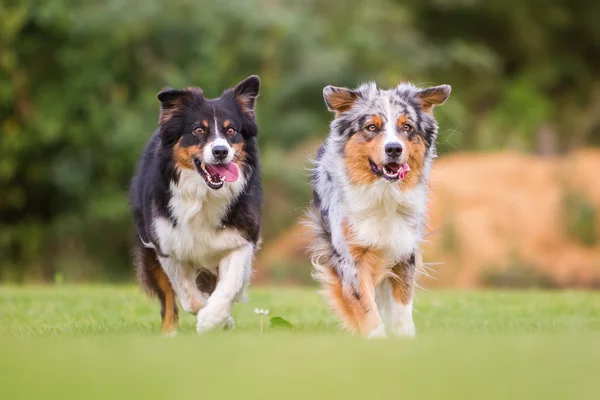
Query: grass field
100, 342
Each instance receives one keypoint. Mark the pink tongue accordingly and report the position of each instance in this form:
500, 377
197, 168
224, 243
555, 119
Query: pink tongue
405, 168
229, 171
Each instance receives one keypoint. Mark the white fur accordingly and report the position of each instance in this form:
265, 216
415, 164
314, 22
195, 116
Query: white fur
402, 320
381, 216
378, 333
210, 158
234, 276
396, 316
390, 132
183, 278
200, 240
384, 217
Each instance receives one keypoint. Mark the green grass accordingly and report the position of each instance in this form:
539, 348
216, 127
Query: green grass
102, 342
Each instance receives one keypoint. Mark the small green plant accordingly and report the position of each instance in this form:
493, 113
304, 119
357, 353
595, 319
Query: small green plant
275, 322
280, 323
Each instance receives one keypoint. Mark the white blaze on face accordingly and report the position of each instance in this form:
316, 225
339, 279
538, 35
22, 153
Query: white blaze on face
209, 158
390, 132
219, 140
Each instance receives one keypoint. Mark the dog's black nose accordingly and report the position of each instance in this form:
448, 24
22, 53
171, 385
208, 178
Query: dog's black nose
393, 149
220, 152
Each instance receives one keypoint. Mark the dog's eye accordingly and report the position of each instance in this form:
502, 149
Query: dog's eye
230, 131
406, 128
198, 131
372, 128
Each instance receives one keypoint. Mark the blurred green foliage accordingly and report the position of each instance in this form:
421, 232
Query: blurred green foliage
79, 80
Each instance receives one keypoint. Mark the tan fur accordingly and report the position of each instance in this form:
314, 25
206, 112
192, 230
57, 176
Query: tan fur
375, 120
416, 149
341, 100
156, 283
357, 152
183, 156
240, 153
431, 97
170, 317
403, 280
403, 119
358, 314
357, 308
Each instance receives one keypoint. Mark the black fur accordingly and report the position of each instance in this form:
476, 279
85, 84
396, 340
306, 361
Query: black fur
182, 111
150, 194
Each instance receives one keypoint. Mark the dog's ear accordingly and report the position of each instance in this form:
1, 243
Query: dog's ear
246, 92
169, 100
170, 97
434, 96
339, 99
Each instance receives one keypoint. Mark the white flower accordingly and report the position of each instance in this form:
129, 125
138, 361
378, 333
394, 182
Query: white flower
261, 311
256, 311
266, 312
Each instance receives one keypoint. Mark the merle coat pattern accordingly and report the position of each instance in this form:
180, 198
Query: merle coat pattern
368, 214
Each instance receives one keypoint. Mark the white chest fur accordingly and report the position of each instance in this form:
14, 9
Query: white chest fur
198, 237
386, 218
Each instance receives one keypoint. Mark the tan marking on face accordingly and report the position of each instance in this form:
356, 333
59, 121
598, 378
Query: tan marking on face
375, 120
227, 124
415, 148
357, 152
240, 153
204, 123
184, 156
403, 119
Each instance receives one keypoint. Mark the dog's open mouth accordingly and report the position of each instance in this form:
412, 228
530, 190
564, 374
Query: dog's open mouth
215, 175
390, 171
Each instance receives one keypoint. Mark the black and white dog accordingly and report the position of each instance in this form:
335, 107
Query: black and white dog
196, 203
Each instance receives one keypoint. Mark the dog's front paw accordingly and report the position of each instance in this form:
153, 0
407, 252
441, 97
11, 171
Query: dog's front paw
229, 323
378, 333
211, 318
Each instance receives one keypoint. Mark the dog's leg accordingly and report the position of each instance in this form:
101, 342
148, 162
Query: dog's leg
234, 277
403, 287
155, 281
385, 302
350, 289
183, 279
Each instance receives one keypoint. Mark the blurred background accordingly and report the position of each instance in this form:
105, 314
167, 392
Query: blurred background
515, 193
